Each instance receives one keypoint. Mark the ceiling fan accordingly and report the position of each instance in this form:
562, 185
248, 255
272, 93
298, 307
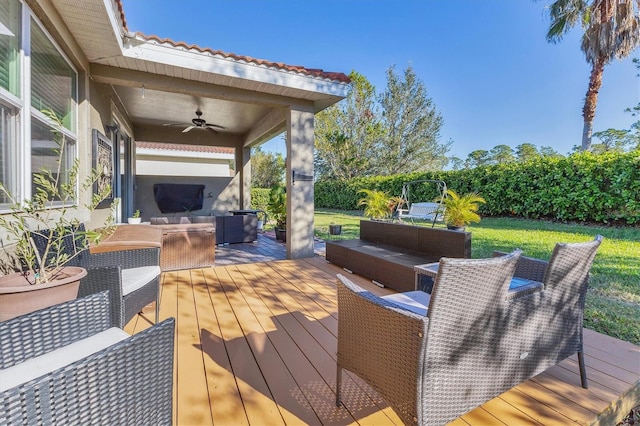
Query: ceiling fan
197, 122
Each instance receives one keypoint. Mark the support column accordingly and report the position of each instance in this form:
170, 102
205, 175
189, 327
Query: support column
300, 205
243, 167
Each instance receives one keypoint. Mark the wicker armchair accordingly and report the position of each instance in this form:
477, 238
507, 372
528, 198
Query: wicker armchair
132, 277
128, 382
474, 343
565, 278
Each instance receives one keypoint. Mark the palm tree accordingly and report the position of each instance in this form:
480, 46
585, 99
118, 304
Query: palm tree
611, 31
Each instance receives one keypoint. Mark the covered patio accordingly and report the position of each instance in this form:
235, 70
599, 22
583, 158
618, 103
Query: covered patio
256, 344
133, 87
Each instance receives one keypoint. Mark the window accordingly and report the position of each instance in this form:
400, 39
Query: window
7, 153
10, 43
45, 148
53, 81
25, 127
53, 91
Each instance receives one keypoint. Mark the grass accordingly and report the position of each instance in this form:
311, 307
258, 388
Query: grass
613, 299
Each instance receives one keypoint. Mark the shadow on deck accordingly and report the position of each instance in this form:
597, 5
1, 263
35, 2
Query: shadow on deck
256, 344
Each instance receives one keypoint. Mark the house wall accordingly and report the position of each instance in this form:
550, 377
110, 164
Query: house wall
91, 108
220, 195
174, 166
100, 114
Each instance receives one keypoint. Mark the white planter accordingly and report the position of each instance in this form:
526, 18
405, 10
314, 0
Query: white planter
133, 220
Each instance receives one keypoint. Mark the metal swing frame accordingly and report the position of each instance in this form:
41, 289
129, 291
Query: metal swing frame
405, 197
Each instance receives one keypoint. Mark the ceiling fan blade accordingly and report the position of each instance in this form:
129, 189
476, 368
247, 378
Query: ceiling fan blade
187, 129
174, 124
216, 126
215, 132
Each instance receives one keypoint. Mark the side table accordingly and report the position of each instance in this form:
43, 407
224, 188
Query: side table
426, 275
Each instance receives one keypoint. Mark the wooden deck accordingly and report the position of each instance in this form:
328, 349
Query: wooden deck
256, 343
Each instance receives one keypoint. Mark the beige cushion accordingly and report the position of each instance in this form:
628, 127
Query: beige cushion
414, 301
135, 278
51, 361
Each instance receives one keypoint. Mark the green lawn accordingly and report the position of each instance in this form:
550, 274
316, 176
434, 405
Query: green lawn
613, 299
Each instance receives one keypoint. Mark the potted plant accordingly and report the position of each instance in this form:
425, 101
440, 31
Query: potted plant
37, 275
378, 204
135, 218
277, 207
461, 210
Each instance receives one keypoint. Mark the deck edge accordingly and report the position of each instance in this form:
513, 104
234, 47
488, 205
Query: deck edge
617, 410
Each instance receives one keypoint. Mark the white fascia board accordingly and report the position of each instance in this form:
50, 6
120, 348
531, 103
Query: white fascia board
114, 20
207, 63
183, 154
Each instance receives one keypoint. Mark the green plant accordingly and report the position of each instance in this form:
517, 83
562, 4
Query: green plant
48, 209
277, 206
378, 204
585, 187
136, 214
461, 210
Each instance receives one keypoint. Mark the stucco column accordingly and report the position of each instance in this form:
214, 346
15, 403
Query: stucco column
299, 172
243, 166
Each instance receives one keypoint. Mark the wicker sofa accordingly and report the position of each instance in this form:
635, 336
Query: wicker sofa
386, 252
471, 341
67, 365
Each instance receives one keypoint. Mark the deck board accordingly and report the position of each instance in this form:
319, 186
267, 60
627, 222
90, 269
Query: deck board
256, 345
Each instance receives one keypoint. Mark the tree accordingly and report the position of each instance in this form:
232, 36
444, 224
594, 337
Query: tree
347, 133
456, 163
611, 31
634, 131
267, 168
411, 127
526, 151
547, 151
501, 154
479, 157
612, 140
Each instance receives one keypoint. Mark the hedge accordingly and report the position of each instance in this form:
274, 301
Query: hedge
260, 198
583, 187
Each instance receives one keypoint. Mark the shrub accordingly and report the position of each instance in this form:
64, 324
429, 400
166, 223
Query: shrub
583, 187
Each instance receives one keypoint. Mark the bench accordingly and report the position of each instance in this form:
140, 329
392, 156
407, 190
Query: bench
422, 211
387, 252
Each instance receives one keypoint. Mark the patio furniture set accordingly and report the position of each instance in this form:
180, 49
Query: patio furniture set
461, 332
433, 357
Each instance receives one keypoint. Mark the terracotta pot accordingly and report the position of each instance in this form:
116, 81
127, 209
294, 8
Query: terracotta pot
18, 297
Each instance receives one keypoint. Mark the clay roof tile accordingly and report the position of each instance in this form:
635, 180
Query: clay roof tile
312, 72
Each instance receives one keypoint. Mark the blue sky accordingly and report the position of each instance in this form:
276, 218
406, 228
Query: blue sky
486, 64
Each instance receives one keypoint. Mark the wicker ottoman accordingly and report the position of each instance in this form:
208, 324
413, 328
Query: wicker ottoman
187, 246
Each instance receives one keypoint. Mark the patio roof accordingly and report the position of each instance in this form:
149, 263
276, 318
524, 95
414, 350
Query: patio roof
244, 94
